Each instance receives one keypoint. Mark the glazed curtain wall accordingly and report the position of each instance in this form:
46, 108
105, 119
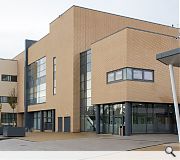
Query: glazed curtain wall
37, 82
87, 111
112, 118
153, 118
43, 120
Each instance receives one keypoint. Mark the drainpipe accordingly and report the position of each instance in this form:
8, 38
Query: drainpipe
175, 99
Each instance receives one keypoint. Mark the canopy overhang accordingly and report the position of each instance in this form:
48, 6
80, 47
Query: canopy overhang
170, 57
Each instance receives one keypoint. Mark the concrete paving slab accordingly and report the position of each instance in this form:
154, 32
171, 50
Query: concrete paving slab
92, 143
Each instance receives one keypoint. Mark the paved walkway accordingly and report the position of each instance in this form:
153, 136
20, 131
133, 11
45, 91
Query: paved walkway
175, 146
83, 142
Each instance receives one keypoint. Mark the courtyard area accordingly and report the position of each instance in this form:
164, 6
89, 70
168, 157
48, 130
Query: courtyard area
88, 142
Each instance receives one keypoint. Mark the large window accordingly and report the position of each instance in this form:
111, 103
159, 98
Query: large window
9, 78
43, 120
133, 74
4, 99
152, 118
37, 82
48, 120
54, 75
7, 118
86, 109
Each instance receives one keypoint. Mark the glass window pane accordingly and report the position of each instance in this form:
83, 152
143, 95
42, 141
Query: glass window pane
148, 75
82, 86
54, 90
124, 74
129, 73
83, 59
89, 102
82, 77
88, 67
89, 84
88, 52
14, 78
139, 118
137, 74
118, 75
111, 77
88, 75
89, 58
88, 93
83, 94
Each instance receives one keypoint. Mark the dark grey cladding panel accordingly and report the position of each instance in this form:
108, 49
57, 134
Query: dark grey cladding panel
170, 57
27, 116
28, 43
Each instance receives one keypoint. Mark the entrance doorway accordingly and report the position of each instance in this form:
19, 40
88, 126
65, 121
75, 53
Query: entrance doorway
111, 118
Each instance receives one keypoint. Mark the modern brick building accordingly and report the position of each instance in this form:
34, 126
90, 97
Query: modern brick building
96, 71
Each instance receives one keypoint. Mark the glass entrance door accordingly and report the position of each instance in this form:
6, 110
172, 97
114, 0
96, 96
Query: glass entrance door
111, 118
118, 122
107, 119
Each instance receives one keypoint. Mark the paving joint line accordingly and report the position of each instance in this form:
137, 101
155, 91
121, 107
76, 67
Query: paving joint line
149, 146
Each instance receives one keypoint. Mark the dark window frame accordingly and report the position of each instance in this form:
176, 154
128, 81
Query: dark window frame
9, 78
38, 77
133, 79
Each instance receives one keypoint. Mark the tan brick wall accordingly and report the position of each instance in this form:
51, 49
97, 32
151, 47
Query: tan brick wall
107, 55
7, 67
90, 26
20, 86
58, 43
136, 49
70, 34
141, 53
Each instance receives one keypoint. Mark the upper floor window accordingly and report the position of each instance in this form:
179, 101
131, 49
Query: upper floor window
134, 74
4, 99
9, 78
111, 77
36, 85
148, 75
118, 75
137, 74
54, 75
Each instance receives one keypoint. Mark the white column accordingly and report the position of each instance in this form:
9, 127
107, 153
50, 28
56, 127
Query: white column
173, 85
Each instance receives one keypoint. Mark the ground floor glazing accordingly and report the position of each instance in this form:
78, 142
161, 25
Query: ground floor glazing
119, 118
8, 119
130, 118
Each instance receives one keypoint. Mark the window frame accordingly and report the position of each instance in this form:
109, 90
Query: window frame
137, 79
152, 71
124, 70
54, 75
8, 78
112, 72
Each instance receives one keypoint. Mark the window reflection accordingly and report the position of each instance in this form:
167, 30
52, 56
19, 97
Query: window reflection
37, 82
86, 108
153, 118
129, 73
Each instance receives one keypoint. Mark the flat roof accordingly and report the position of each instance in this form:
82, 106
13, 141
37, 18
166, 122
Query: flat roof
170, 57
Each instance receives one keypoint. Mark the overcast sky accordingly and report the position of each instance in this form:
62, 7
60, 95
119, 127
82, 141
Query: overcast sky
29, 19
